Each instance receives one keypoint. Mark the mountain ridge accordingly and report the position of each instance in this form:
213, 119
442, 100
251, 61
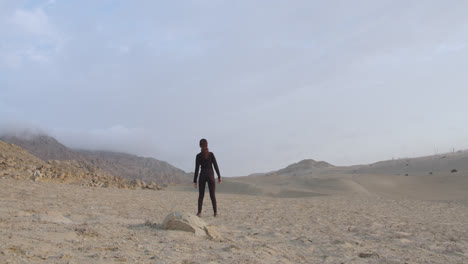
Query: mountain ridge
429, 164
120, 164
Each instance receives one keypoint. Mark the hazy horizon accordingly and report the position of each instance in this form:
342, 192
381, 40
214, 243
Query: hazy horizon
268, 83
29, 133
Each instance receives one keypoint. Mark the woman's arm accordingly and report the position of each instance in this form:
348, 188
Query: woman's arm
197, 166
215, 164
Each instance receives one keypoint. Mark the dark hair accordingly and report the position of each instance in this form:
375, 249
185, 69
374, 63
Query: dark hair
204, 147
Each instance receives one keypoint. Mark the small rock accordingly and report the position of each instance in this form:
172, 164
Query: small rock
136, 183
212, 233
231, 248
368, 255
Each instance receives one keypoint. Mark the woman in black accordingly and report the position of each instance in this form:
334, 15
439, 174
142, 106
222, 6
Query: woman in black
206, 160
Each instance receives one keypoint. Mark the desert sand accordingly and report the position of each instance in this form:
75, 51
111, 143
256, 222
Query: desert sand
315, 218
396, 211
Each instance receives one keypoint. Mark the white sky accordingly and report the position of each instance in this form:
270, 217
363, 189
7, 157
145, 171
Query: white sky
268, 83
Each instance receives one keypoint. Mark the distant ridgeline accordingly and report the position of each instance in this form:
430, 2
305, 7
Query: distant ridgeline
448, 163
122, 165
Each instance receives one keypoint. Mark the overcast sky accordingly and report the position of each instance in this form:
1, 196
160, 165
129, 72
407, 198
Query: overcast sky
268, 83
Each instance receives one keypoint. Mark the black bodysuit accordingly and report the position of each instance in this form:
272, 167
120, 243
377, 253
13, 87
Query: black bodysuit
206, 176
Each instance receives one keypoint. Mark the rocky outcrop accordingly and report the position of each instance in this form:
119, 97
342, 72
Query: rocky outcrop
42, 146
118, 164
133, 167
17, 163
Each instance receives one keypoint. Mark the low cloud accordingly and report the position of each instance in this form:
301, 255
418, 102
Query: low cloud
22, 130
117, 138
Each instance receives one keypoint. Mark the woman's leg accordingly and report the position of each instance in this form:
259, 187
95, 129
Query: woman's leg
201, 193
212, 187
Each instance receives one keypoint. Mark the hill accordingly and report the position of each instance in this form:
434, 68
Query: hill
19, 164
118, 164
437, 177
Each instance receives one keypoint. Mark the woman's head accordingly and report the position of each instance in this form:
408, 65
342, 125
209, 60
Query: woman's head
204, 147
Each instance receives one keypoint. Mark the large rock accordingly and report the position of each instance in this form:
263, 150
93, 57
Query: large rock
190, 223
184, 222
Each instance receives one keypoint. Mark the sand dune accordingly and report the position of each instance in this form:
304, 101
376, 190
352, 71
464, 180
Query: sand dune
427, 187
440, 177
437, 164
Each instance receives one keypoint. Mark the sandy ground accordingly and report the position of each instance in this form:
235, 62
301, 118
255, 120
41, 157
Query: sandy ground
59, 223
